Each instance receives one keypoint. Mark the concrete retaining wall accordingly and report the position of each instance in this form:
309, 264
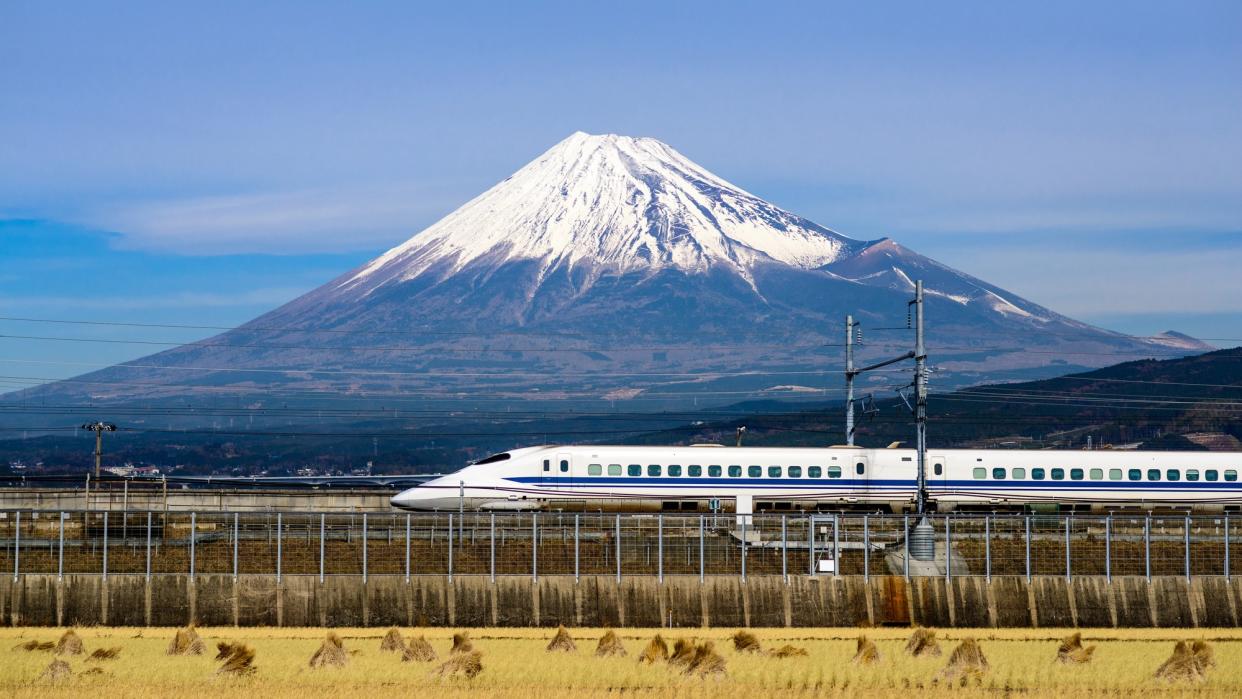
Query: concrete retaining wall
259, 600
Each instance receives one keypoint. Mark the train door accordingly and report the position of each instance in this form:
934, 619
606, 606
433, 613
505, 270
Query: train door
937, 475
564, 468
861, 475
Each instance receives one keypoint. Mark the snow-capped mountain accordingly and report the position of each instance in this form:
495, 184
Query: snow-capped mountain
615, 267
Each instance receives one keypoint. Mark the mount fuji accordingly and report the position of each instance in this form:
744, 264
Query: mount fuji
616, 268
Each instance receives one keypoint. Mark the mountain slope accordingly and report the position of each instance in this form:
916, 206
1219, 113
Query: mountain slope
615, 268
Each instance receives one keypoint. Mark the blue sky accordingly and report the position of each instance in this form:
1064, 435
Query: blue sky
202, 163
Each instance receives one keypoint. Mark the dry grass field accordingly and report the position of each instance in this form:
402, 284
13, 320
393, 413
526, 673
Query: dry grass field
516, 663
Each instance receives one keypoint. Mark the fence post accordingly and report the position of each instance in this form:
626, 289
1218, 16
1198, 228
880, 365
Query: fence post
1147, 545
784, 552
148, 545
866, 549
836, 546
702, 550
905, 529
948, 549
106, 544
987, 548
450, 547
1068, 574
1108, 548
60, 555
1226, 547
1185, 530
534, 546
618, 548
744, 549
193, 541
17, 546
491, 557
810, 544
279, 546
407, 547
1028, 548
576, 547
364, 548
236, 532
660, 548
322, 531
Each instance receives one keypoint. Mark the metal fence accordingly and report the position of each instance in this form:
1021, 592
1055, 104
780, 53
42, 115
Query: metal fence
526, 544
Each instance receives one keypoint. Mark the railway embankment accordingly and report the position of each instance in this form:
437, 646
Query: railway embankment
637, 601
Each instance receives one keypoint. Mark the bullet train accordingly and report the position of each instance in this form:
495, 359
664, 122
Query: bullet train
749, 479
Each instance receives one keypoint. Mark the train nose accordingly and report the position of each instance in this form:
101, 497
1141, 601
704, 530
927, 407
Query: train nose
423, 498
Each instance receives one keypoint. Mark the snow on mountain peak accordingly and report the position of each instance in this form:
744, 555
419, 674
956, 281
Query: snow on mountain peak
614, 203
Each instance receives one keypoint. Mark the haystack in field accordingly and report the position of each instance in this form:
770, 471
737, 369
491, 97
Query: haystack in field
788, 651
683, 652
393, 641
923, 643
745, 642
226, 648
609, 645
865, 652
463, 664
418, 650
35, 645
706, 662
56, 671
239, 661
104, 654
461, 643
186, 642
655, 651
562, 642
966, 663
331, 653
1189, 663
70, 644
1072, 652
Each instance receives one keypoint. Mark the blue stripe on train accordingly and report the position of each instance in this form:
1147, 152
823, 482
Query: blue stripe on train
855, 484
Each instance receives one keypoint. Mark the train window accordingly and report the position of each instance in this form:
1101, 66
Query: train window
1019, 473
1136, 474
595, 470
1153, 474
1037, 474
614, 469
834, 471
1058, 474
653, 470
1097, 474
814, 472
774, 472
674, 470
694, 470
1173, 474
547, 464
754, 471
1231, 475
998, 474
860, 468
980, 473
938, 468
735, 471
795, 471
1114, 474
713, 471
1211, 474
564, 465
1192, 474
635, 469
1076, 474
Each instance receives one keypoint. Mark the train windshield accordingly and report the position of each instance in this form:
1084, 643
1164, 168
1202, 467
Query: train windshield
503, 456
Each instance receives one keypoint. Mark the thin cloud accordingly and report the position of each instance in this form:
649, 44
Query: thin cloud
263, 297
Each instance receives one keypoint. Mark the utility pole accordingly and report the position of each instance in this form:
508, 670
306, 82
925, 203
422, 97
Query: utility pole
741, 430
99, 428
849, 380
920, 396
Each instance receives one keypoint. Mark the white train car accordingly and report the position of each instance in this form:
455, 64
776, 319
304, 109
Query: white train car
746, 479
